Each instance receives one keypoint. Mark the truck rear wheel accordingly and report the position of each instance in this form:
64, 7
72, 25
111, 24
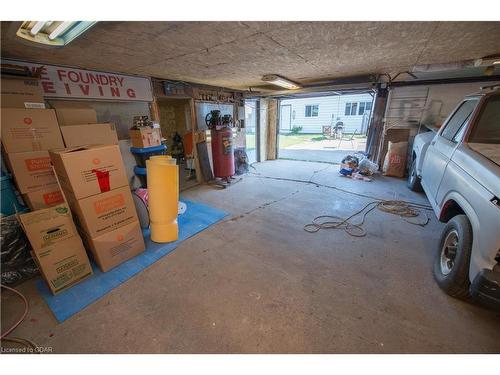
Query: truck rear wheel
452, 260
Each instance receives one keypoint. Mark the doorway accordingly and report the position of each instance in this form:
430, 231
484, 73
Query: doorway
251, 136
285, 118
176, 121
323, 128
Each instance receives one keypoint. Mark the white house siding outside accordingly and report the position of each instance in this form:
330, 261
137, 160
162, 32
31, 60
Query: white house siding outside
293, 113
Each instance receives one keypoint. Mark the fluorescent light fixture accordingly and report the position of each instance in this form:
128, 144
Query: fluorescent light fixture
496, 62
280, 81
53, 33
38, 26
60, 29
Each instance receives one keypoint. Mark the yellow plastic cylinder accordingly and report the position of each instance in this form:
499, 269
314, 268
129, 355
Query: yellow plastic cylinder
166, 158
163, 199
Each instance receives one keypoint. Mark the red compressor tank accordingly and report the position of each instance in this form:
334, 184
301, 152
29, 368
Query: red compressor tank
222, 143
222, 152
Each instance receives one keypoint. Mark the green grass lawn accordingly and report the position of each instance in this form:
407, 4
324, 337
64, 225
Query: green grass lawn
287, 140
250, 142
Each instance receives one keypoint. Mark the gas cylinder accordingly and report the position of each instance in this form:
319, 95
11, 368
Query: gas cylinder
222, 152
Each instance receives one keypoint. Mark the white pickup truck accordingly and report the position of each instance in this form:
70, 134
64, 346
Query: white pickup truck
458, 167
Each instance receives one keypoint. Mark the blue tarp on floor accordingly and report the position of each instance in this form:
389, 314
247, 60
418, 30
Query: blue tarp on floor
197, 218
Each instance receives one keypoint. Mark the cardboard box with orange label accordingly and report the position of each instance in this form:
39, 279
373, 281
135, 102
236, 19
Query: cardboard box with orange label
77, 135
48, 196
89, 170
145, 137
32, 170
29, 130
116, 247
21, 92
102, 213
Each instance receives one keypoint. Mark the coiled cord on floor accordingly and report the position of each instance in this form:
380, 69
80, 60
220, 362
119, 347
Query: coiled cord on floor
317, 184
21, 319
404, 209
18, 340
395, 207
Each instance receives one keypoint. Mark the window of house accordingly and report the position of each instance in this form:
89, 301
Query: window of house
364, 107
312, 110
351, 109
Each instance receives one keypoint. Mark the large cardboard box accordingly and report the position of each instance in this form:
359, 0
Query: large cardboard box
48, 226
74, 114
102, 213
63, 264
32, 170
77, 135
46, 197
29, 130
57, 247
115, 247
145, 137
21, 92
89, 170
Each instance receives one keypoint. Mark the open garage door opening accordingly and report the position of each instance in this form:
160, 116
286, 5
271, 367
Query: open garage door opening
323, 128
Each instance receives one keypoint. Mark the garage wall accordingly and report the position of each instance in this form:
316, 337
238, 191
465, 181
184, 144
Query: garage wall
263, 128
272, 130
119, 113
410, 108
175, 116
447, 97
427, 104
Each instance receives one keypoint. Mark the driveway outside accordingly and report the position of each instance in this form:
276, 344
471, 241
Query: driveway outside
315, 147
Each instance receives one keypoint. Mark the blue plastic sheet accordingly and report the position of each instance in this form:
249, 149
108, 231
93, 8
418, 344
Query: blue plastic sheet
64, 305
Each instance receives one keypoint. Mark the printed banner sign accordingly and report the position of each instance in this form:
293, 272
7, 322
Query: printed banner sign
64, 82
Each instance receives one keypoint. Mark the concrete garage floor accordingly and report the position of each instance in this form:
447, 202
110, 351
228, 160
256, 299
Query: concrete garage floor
257, 283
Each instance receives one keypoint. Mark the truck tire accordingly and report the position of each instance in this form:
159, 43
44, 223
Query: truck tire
452, 259
413, 179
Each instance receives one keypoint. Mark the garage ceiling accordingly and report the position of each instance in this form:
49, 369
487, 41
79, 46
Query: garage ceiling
237, 54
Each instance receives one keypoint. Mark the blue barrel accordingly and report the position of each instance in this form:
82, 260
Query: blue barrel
141, 154
141, 174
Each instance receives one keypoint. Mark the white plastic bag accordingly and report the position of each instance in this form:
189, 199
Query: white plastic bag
367, 167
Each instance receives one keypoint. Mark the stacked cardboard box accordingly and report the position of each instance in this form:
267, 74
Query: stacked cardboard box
79, 126
28, 132
21, 92
57, 247
94, 182
145, 137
